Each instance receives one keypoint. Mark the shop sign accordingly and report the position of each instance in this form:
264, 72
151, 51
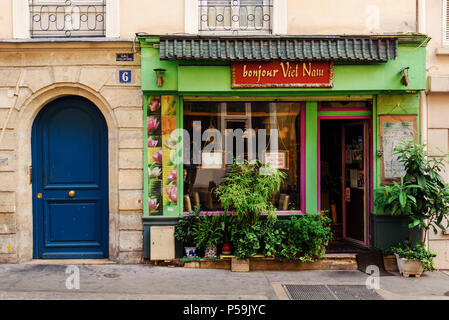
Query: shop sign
273, 74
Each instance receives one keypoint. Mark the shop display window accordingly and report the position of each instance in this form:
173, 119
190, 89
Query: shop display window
218, 133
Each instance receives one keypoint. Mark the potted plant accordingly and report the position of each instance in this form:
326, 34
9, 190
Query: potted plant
422, 196
208, 234
245, 241
246, 191
413, 260
184, 231
304, 237
226, 228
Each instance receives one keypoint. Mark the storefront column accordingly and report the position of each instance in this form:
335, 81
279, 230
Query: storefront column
311, 157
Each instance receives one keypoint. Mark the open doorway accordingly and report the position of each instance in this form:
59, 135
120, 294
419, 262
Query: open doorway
344, 171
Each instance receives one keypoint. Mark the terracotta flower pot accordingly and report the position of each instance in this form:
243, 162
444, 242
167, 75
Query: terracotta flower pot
226, 248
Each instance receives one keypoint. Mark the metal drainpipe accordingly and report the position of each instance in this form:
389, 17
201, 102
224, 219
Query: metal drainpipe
421, 28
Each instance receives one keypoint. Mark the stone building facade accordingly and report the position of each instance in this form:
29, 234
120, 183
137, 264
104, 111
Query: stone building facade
35, 71
32, 75
436, 102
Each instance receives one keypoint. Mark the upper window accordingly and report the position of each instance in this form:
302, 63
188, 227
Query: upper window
67, 18
445, 22
235, 16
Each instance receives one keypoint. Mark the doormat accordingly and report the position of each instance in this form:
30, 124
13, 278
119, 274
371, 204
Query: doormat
330, 292
344, 248
372, 258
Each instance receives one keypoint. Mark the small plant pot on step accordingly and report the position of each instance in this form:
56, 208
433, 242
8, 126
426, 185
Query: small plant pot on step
191, 252
210, 252
409, 267
226, 248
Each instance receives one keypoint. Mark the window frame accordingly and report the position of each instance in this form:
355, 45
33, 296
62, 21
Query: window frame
301, 156
278, 27
445, 24
22, 27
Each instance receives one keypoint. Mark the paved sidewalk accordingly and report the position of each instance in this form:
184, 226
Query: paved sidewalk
36, 281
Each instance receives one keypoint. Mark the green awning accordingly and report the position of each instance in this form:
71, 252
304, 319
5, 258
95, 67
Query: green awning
333, 48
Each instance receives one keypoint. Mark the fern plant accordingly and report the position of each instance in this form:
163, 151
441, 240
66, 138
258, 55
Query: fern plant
247, 189
208, 231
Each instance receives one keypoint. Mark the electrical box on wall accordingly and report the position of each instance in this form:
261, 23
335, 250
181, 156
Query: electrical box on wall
162, 243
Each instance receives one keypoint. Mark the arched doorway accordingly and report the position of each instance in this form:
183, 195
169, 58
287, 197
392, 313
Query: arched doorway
70, 181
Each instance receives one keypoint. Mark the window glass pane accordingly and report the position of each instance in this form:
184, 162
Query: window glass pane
219, 132
235, 15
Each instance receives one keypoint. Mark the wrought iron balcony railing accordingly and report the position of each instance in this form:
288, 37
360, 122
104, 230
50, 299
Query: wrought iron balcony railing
235, 16
67, 18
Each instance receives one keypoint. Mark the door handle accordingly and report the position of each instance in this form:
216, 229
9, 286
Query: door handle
71, 193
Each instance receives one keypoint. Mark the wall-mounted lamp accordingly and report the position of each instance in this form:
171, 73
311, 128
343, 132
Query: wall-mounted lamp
159, 78
404, 79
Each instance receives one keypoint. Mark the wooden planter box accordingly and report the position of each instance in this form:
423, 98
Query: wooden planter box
240, 265
409, 267
261, 263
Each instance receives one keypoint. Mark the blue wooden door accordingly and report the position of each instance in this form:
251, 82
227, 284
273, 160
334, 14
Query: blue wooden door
70, 181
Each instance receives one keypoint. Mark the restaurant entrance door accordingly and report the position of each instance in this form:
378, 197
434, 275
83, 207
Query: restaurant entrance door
345, 181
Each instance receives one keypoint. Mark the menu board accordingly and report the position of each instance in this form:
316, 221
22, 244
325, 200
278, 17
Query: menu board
395, 129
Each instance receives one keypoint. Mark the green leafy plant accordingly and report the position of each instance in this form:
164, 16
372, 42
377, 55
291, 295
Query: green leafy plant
244, 240
417, 252
269, 237
422, 194
398, 198
304, 237
247, 189
248, 240
227, 221
208, 231
185, 225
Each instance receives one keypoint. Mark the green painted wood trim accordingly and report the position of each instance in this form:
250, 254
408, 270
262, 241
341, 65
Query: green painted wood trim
311, 157
287, 98
390, 104
344, 113
195, 77
180, 154
375, 141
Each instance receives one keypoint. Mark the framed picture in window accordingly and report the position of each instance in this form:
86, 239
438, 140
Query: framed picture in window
212, 160
394, 130
277, 160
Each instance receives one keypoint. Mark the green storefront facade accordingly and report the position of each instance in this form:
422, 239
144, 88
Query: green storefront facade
336, 136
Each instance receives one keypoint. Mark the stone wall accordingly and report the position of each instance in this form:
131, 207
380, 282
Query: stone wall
438, 146
39, 73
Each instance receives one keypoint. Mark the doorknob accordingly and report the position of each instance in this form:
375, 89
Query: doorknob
71, 193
